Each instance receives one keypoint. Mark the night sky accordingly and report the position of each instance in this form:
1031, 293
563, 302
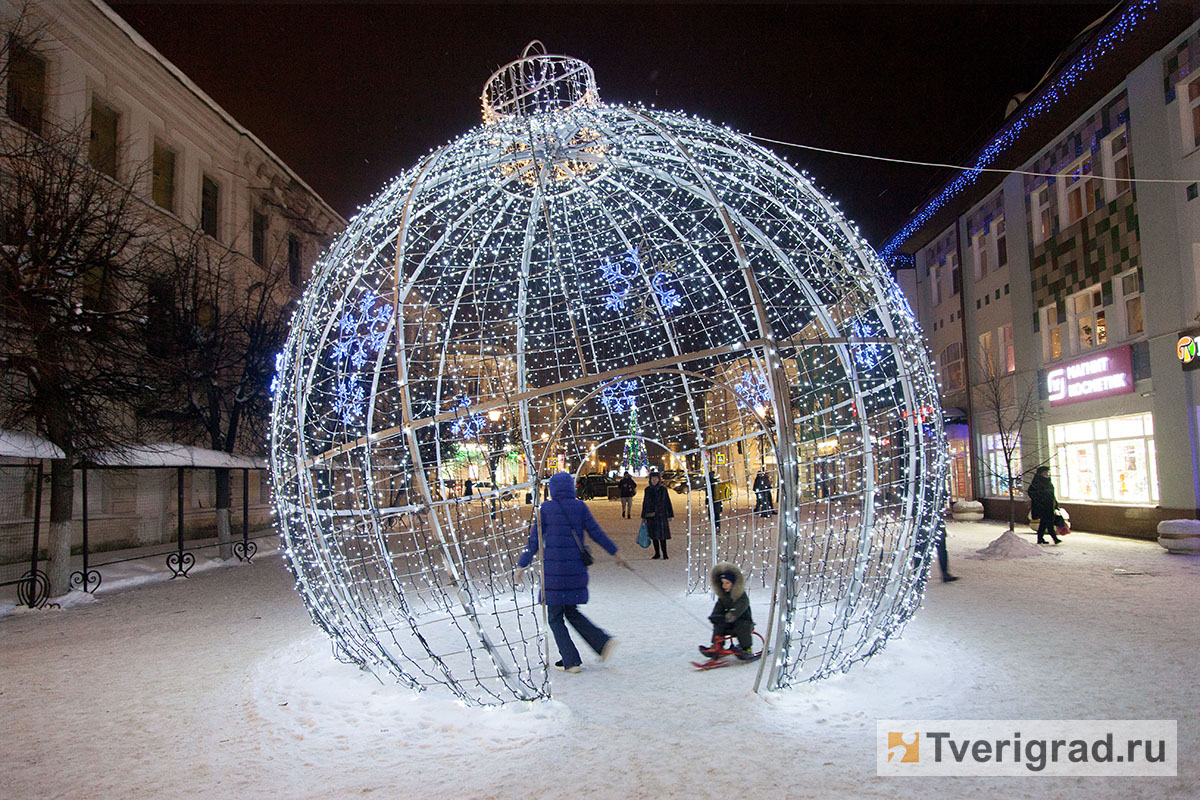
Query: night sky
350, 95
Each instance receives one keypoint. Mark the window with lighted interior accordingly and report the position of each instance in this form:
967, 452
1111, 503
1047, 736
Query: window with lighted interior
996, 468
1089, 326
1077, 191
1008, 358
987, 356
1052, 332
1106, 461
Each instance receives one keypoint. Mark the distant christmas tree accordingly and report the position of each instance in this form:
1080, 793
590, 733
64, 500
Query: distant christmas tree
633, 458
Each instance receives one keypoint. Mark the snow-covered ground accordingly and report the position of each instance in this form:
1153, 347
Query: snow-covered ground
219, 686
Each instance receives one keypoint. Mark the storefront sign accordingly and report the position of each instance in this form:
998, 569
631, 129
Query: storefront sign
1188, 349
1104, 375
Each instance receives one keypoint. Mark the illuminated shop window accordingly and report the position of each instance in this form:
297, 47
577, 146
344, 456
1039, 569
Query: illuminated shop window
995, 470
1105, 461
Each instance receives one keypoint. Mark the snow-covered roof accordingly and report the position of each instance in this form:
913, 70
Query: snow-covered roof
176, 455
18, 444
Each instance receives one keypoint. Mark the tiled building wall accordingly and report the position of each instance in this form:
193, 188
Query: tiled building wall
1178, 64
1102, 244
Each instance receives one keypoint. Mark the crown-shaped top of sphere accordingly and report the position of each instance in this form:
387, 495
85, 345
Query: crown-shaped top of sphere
537, 83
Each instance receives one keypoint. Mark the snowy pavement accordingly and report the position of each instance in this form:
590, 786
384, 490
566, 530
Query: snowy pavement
219, 686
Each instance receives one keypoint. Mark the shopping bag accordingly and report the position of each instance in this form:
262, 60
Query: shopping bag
643, 536
1062, 522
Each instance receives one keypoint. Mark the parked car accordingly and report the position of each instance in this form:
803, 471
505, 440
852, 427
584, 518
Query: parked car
593, 484
695, 482
670, 477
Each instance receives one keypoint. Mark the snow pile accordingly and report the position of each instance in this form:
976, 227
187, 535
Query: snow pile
1008, 545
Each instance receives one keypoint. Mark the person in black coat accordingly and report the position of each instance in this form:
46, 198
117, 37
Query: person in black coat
628, 489
1042, 504
717, 505
657, 514
762, 494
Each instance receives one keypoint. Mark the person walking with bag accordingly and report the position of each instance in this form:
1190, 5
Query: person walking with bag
657, 514
628, 489
565, 520
1042, 504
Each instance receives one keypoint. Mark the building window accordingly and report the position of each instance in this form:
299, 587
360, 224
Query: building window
1116, 163
210, 198
1001, 243
294, 260
1008, 353
1131, 301
955, 274
995, 469
1107, 461
935, 286
1052, 333
951, 365
1078, 194
982, 253
987, 356
163, 180
1043, 220
1088, 324
990, 248
1190, 110
102, 140
258, 237
26, 101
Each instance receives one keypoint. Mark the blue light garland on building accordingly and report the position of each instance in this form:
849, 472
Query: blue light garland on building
1008, 137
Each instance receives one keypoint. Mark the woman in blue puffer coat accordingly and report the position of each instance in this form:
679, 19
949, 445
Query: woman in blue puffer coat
566, 521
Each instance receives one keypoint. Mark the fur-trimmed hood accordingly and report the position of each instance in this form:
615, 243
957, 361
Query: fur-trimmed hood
739, 580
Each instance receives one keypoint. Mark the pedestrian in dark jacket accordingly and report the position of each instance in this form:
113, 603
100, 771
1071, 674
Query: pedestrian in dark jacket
1042, 504
762, 494
657, 514
628, 489
715, 499
731, 613
565, 521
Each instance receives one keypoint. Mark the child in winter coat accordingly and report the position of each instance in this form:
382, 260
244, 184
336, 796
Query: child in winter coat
731, 614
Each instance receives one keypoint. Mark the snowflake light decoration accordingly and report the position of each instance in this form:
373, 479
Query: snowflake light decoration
752, 388
619, 397
470, 424
591, 274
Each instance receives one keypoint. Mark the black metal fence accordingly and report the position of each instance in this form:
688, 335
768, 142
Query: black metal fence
24, 516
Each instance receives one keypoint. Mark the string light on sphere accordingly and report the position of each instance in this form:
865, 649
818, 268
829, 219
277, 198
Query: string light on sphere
571, 275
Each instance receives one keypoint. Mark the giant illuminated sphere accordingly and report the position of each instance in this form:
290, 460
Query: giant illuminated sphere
566, 280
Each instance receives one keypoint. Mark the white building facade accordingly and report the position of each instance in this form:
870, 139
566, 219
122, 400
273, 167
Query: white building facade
199, 169
1069, 279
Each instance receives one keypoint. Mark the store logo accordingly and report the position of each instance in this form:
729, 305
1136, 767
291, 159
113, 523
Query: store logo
1188, 350
1104, 375
909, 751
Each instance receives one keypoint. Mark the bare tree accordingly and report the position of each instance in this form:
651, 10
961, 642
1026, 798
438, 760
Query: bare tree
71, 258
1006, 408
216, 322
